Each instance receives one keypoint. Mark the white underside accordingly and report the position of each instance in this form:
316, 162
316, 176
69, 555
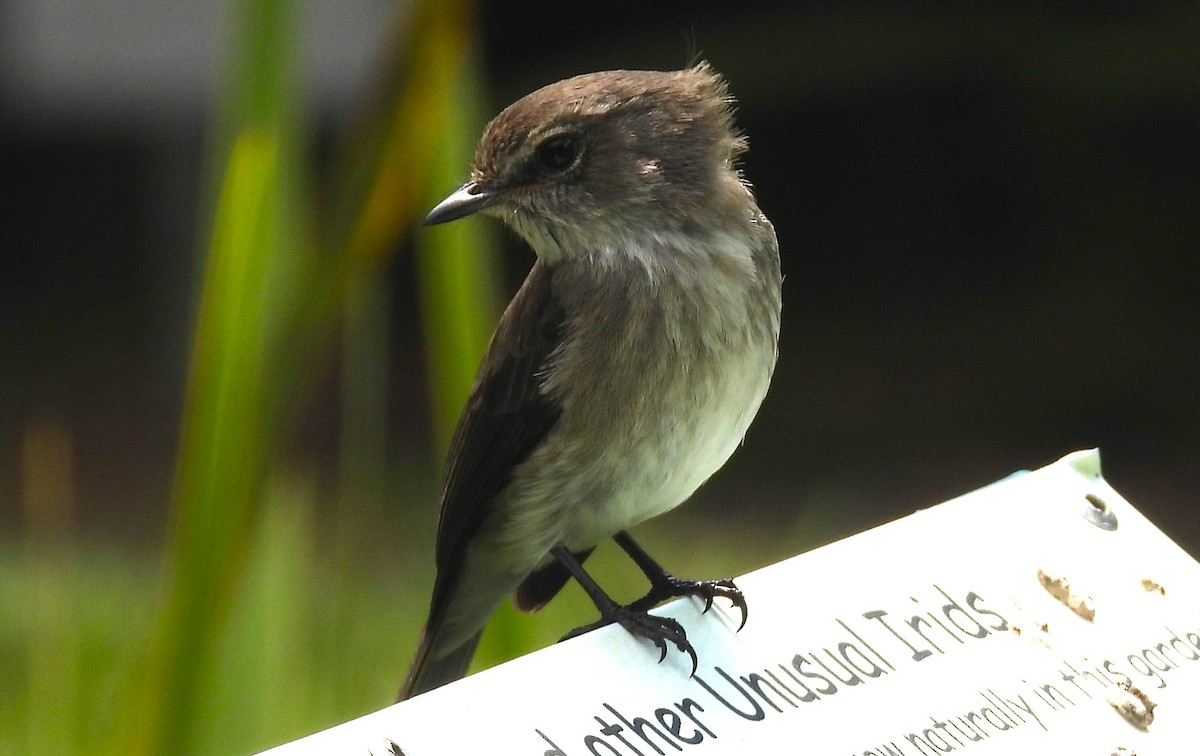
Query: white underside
643, 425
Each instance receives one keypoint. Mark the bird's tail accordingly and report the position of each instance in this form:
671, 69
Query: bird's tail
433, 667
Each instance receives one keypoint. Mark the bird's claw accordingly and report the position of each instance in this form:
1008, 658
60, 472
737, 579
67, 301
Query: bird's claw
658, 630
706, 590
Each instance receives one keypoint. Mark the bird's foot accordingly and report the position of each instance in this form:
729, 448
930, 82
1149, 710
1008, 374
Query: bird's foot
658, 630
669, 586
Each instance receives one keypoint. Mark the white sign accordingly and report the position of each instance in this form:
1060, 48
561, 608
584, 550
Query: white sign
1038, 615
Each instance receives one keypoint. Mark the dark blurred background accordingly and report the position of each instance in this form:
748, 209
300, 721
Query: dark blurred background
989, 217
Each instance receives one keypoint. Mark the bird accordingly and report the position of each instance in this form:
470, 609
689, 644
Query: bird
627, 368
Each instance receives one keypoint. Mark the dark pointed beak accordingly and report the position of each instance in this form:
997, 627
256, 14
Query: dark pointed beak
470, 198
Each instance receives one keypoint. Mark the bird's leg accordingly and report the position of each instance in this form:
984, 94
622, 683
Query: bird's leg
664, 586
639, 622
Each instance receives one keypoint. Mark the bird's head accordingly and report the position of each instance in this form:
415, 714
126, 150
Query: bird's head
597, 158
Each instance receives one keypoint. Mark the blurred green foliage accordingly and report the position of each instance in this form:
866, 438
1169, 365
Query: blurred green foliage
251, 641
1037, 150
280, 607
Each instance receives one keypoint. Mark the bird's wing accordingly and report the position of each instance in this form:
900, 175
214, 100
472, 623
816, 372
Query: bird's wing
506, 416
544, 583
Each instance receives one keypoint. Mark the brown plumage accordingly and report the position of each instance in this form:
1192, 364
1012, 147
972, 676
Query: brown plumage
629, 365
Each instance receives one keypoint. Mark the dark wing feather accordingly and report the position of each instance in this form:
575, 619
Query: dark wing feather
544, 583
506, 416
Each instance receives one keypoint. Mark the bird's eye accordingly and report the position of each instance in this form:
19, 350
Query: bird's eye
558, 153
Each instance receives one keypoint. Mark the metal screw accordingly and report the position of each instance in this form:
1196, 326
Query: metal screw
1099, 513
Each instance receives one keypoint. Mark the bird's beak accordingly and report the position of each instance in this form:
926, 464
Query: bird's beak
468, 199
